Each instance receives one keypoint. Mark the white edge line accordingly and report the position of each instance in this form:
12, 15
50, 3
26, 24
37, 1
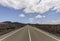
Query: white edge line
11, 33
29, 35
47, 34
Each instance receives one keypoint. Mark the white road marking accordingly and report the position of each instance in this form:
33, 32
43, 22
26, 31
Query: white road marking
10, 34
13, 32
29, 35
41, 31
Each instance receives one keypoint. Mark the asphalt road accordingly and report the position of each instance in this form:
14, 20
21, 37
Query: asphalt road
39, 36
18, 35
28, 33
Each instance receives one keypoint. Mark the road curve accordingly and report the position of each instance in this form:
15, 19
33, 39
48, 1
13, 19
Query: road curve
28, 33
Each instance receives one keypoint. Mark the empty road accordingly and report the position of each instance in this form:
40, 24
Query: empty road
28, 33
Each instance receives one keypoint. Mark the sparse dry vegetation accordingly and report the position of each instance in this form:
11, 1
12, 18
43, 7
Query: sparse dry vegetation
54, 29
7, 27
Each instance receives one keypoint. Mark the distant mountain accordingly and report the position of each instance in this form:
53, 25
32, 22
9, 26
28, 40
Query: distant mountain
7, 22
17, 23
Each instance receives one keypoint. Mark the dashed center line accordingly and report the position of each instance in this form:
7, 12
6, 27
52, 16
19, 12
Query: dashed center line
29, 35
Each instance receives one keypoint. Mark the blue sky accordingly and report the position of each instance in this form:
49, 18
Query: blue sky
29, 15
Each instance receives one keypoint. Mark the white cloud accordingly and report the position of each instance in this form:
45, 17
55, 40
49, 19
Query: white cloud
49, 22
31, 5
56, 21
31, 20
17, 4
21, 15
52, 22
40, 16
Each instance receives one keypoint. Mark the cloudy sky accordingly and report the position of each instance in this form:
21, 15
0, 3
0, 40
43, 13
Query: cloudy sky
30, 11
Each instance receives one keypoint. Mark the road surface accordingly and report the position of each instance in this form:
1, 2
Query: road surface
28, 33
